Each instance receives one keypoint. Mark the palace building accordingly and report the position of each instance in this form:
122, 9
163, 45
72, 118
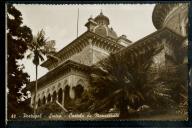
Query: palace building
68, 76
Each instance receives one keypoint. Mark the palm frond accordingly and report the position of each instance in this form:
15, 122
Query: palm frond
41, 40
129, 72
39, 47
29, 56
41, 57
103, 104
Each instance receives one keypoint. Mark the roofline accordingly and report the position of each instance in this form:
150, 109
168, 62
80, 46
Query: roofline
64, 65
150, 36
74, 41
65, 47
124, 39
157, 32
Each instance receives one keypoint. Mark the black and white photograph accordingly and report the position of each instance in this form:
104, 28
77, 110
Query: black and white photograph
97, 62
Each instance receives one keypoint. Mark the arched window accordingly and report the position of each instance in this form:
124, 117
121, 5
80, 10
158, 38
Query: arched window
79, 91
66, 92
44, 100
60, 95
54, 96
49, 98
39, 103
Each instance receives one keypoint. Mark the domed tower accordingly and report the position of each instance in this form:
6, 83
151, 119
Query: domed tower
173, 16
102, 20
100, 26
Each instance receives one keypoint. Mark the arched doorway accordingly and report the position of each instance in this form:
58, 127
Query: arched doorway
60, 95
49, 98
54, 96
79, 91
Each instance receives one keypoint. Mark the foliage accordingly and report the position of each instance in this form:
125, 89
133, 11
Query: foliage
82, 104
49, 108
122, 80
26, 108
18, 36
176, 78
40, 47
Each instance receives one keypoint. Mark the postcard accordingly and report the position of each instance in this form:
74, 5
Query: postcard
97, 62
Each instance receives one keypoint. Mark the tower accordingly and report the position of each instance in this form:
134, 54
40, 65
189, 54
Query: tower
100, 26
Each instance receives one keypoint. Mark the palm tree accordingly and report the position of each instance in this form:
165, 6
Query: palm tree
123, 80
39, 48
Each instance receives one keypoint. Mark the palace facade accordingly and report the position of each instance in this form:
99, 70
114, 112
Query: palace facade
68, 77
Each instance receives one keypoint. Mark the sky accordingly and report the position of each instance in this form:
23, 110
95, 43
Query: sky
60, 23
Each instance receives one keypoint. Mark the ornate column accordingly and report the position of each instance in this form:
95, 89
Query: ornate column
51, 98
45, 100
56, 96
72, 93
63, 96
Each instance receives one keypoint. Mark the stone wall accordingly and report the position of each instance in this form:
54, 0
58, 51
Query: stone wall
83, 57
89, 55
98, 54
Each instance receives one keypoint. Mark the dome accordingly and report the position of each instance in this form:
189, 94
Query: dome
112, 33
160, 12
101, 19
172, 16
102, 27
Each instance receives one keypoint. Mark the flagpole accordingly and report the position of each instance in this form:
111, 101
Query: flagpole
78, 22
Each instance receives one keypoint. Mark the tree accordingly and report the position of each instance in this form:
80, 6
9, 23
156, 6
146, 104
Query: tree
18, 36
123, 81
40, 47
